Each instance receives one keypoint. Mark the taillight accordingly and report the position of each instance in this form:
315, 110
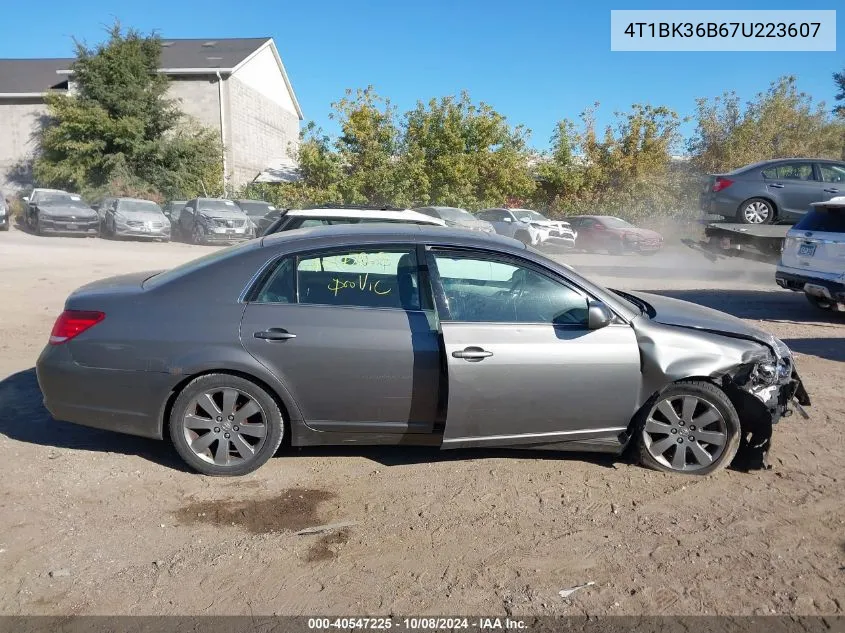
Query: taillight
72, 323
721, 183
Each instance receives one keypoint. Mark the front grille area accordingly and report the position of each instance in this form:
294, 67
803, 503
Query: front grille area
228, 224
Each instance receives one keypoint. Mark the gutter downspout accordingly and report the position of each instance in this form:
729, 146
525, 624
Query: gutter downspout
222, 129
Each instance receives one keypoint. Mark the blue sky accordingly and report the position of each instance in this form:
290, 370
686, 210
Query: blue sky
536, 61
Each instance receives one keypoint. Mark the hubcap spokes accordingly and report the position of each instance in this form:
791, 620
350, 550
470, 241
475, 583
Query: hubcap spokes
225, 426
756, 213
685, 433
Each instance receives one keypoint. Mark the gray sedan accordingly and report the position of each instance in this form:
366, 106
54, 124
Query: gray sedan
405, 334
132, 217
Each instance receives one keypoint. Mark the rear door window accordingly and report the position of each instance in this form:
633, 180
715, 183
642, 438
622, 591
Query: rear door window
789, 171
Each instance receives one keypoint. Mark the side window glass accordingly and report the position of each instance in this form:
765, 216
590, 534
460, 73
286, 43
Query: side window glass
365, 278
832, 173
789, 171
304, 223
487, 290
279, 286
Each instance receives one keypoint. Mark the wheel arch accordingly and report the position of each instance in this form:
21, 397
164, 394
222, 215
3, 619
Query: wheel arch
287, 407
768, 198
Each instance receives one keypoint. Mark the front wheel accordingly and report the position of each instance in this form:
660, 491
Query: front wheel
225, 425
198, 234
690, 427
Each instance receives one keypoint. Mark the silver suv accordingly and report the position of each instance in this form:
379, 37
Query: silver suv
813, 258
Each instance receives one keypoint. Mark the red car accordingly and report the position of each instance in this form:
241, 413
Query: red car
614, 235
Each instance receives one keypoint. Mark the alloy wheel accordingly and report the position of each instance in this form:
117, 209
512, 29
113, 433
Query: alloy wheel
685, 433
756, 212
225, 426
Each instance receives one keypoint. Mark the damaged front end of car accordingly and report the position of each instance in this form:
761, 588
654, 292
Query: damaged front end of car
763, 391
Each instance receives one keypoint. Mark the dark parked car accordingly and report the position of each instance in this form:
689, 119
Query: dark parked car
132, 217
614, 235
5, 217
214, 220
778, 190
59, 212
404, 334
173, 208
261, 213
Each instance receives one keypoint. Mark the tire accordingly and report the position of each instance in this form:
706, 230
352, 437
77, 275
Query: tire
5, 227
660, 437
756, 211
197, 234
823, 304
210, 456
39, 230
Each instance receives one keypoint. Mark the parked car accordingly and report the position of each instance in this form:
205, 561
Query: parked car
5, 216
813, 257
172, 209
778, 190
408, 335
614, 235
55, 211
529, 226
349, 214
458, 218
213, 220
133, 217
259, 214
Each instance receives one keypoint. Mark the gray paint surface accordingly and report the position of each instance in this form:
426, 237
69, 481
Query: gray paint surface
363, 374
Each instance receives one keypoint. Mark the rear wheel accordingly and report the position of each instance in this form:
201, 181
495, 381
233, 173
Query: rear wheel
756, 211
828, 305
690, 427
225, 425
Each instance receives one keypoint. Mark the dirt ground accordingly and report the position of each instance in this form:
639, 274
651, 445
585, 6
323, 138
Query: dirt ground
98, 523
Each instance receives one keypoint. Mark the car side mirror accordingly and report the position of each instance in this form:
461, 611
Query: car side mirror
26, 198
508, 219
598, 315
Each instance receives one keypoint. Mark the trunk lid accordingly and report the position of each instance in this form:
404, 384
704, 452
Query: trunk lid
91, 296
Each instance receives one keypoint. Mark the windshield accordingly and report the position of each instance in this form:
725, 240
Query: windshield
256, 209
58, 197
527, 215
454, 214
217, 205
616, 223
138, 205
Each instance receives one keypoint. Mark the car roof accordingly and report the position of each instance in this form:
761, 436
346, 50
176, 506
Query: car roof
385, 233
380, 214
132, 199
245, 200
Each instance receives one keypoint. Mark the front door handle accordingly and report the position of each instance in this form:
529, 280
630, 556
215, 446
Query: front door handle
274, 334
777, 185
472, 354
831, 190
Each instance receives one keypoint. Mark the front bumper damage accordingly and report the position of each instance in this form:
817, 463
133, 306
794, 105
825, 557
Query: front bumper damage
760, 406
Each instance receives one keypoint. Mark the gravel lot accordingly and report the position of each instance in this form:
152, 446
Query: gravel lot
97, 523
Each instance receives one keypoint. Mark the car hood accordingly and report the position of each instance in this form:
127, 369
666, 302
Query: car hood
680, 313
144, 216
61, 211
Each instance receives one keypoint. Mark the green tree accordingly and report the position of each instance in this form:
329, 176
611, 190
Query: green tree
117, 131
780, 122
839, 79
458, 153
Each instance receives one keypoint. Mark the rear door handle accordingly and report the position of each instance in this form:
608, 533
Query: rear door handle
831, 190
472, 354
274, 334
777, 185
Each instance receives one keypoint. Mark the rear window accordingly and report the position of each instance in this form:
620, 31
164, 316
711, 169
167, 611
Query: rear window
826, 220
188, 267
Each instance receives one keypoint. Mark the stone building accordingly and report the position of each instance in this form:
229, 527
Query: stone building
236, 86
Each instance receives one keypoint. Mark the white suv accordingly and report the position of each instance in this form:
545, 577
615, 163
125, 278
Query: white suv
303, 218
813, 258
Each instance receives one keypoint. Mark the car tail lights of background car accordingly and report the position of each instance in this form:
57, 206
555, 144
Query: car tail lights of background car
72, 323
721, 183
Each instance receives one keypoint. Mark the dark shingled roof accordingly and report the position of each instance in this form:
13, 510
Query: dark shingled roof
23, 76
208, 53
